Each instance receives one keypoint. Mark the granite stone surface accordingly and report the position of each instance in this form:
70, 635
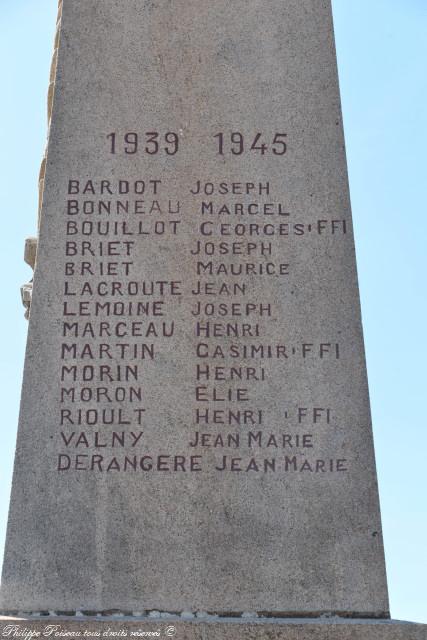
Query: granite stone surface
195, 429
93, 628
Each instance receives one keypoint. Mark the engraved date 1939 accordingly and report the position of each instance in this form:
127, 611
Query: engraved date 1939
150, 142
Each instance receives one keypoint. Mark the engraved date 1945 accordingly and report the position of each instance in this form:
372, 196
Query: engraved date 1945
237, 143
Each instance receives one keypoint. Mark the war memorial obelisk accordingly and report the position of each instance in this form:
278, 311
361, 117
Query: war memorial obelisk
195, 434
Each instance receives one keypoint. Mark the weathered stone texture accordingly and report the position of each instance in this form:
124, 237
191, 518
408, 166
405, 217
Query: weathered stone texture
231, 630
268, 502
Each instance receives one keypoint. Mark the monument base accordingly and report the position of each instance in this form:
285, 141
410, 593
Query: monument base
208, 628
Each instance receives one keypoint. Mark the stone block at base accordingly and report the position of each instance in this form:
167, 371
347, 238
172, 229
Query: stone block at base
28, 628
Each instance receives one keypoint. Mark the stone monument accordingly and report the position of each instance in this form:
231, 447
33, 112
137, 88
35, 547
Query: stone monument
195, 435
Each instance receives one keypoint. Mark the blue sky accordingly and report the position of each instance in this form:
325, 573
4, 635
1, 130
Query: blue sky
382, 57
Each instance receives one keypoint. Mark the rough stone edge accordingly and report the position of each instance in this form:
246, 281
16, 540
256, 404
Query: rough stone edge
203, 618
30, 255
154, 614
50, 96
205, 627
